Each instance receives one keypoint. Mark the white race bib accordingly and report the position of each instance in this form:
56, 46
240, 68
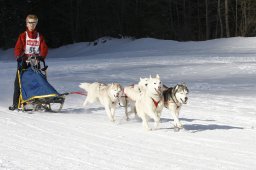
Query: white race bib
32, 45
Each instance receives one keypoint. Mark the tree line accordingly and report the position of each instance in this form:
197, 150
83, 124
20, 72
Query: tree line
70, 21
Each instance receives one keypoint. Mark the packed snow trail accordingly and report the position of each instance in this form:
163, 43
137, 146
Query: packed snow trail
219, 119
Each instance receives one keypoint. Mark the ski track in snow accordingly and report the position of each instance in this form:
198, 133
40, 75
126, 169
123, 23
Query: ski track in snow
219, 119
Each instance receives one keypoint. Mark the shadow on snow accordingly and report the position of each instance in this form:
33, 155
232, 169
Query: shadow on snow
81, 110
199, 127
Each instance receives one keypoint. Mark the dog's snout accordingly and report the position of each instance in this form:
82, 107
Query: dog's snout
117, 94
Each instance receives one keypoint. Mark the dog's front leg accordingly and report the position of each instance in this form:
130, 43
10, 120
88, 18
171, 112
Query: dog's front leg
157, 121
144, 121
156, 118
112, 111
175, 114
126, 107
145, 124
109, 114
135, 111
85, 102
159, 114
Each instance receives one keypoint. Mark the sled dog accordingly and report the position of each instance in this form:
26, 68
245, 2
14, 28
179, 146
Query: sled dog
174, 98
150, 102
106, 94
131, 94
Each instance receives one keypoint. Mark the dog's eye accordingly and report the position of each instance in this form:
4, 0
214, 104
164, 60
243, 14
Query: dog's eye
154, 83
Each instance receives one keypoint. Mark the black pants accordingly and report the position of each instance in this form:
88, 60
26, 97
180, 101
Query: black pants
16, 93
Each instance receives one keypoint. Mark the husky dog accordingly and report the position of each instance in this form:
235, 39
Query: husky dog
131, 94
150, 102
174, 97
107, 94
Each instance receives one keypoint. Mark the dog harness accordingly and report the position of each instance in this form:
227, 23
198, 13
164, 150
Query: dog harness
155, 102
169, 97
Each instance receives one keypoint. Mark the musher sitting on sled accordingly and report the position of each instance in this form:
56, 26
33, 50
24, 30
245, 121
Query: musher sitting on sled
29, 43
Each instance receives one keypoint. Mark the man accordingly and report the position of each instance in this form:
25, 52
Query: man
29, 43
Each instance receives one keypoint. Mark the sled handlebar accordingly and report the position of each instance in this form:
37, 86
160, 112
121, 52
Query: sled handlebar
40, 59
27, 61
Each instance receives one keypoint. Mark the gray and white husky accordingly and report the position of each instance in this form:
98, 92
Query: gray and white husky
174, 98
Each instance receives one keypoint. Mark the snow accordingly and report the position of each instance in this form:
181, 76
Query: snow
219, 119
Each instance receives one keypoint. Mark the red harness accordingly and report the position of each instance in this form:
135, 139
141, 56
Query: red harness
155, 102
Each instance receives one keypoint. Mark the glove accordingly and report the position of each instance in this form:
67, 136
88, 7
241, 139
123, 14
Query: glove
40, 58
19, 58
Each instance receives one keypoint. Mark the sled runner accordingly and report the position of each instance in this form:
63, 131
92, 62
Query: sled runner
36, 93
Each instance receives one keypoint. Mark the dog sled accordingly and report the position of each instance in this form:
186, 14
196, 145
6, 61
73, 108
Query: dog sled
36, 93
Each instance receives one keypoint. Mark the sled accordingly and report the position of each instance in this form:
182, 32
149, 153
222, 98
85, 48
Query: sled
36, 93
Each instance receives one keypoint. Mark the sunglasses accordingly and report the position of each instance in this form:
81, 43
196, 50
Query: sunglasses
31, 22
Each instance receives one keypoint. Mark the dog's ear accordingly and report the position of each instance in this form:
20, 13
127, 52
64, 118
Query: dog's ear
176, 87
120, 86
150, 76
157, 76
183, 83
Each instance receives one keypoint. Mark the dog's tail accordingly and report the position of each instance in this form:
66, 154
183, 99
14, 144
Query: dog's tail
84, 86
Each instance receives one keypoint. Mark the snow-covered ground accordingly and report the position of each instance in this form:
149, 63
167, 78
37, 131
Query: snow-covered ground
219, 119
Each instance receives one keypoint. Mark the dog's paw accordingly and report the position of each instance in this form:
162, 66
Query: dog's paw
156, 128
178, 125
147, 129
176, 129
156, 125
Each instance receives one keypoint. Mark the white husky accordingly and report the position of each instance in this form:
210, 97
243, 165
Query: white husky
150, 102
174, 97
131, 94
107, 94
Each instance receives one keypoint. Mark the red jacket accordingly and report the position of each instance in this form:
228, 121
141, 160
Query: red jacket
21, 44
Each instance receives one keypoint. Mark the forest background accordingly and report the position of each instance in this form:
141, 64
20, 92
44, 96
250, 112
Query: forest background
69, 21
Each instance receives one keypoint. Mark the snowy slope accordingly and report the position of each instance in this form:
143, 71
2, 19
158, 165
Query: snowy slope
219, 119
